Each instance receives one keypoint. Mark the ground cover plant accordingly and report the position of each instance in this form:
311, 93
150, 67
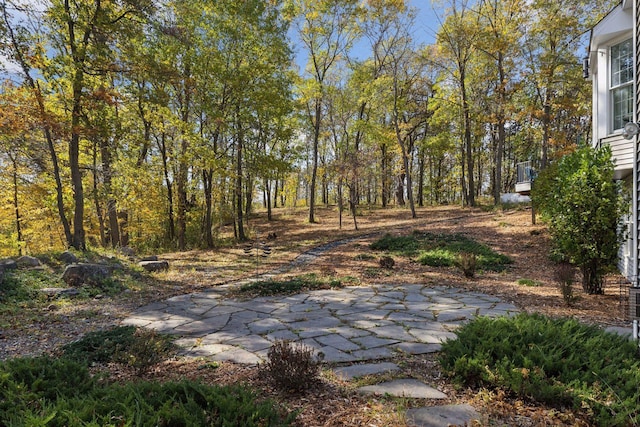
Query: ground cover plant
442, 250
291, 286
61, 392
66, 395
555, 361
135, 347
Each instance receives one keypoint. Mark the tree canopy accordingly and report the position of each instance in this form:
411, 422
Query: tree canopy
153, 124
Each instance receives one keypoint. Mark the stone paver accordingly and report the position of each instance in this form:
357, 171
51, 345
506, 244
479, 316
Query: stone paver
345, 325
356, 371
441, 416
404, 388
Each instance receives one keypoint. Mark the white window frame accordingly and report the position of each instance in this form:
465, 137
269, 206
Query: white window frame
626, 85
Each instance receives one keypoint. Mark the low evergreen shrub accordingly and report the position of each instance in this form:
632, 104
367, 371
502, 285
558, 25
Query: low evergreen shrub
556, 361
295, 285
442, 250
100, 346
60, 392
391, 243
138, 348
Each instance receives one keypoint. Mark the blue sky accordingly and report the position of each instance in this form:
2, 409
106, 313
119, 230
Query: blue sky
426, 26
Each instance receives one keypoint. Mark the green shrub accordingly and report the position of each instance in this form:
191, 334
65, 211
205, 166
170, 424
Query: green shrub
100, 346
60, 392
555, 361
583, 204
138, 348
529, 282
291, 286
147, 349
137, 404
404, 244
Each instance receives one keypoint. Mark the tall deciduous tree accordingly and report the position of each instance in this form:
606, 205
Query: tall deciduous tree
26, 49
499, 39
327, 29
457, 39
83, 39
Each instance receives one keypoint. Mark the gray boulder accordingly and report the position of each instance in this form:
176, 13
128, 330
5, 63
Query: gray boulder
28, 261
127, 251
68, 257
154, 265
79, 273
8, 264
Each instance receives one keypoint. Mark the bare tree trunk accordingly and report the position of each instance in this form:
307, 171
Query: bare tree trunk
314, 167
238, 190
471, 199
16, 210
207, 222
96, 198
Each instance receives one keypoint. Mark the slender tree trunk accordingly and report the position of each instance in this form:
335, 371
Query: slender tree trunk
74, 164
421, 173
96, 198
207, 222
238, 190
314, 167
471, 199
171, 228
407, 166
384, 175
400, 190
267, 187
353, 205
16, 210
340, 203
501, 132
546, 134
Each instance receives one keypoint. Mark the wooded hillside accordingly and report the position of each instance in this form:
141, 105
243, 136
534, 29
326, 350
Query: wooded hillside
151, 124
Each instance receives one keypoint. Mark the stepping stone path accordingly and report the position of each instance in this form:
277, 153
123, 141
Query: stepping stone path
404, 388
348, 325
442, 416
345, 325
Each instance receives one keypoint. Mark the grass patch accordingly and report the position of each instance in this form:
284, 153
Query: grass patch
555, 361
295, 285
61, 392
529, 282
442, 250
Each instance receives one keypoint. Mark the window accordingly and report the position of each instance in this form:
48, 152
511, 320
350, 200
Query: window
622, 83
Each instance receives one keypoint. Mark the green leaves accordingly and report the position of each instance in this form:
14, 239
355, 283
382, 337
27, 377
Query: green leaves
583, 204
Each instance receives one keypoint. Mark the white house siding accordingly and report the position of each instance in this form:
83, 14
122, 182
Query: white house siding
622, 151
617, 26
626, 252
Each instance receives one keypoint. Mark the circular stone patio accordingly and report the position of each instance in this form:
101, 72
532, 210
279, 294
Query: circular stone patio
344, 325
